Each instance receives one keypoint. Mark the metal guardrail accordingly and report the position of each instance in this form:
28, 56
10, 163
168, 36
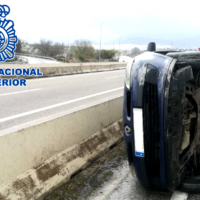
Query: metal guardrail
36, 56
20, 60
24, 60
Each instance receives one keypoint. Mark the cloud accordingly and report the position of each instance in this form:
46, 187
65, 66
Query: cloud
82, 18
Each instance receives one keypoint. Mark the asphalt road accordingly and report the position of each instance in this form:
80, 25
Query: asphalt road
109, 178
32, 60
122, 185
46, 96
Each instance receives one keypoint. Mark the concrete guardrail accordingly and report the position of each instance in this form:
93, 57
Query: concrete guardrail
57, 69
38, 156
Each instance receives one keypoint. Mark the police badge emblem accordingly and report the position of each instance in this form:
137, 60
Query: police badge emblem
8, 39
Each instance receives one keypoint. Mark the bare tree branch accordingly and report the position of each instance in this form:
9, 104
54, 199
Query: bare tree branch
48, 48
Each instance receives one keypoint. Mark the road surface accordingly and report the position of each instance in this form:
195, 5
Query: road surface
46, 96
33, 60
124, 58
108, 178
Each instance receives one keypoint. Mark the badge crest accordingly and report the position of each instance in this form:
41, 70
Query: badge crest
8, 39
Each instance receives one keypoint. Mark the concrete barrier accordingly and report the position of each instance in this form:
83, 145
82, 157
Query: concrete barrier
58, 69
39, 156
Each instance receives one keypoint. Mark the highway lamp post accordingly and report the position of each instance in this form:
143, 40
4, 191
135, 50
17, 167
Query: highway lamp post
67, 50
172, 45
119, 44
66, 53
100, 42
68, 44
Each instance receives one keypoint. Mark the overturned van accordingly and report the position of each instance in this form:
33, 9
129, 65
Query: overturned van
161, 119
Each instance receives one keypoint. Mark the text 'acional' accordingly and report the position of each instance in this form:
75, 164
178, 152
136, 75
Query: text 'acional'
17, 72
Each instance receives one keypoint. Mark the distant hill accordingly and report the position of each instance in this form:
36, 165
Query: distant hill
93, 42
193, 42
145, 41
138, 41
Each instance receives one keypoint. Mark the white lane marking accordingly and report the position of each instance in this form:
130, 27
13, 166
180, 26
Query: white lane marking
58, 77
20, 92
177, 195
82, 106
114, 77
56, 105
72, 75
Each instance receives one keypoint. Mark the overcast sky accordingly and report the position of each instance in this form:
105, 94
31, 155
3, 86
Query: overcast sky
172, 19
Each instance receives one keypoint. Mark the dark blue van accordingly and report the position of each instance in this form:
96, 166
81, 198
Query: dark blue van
160, 119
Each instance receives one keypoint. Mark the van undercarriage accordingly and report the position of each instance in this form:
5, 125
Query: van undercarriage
165, 88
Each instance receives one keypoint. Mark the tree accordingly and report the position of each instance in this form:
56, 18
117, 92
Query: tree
48, 48
108, 54
43, 47
135, 51
57, 49
18, 46
83, 50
